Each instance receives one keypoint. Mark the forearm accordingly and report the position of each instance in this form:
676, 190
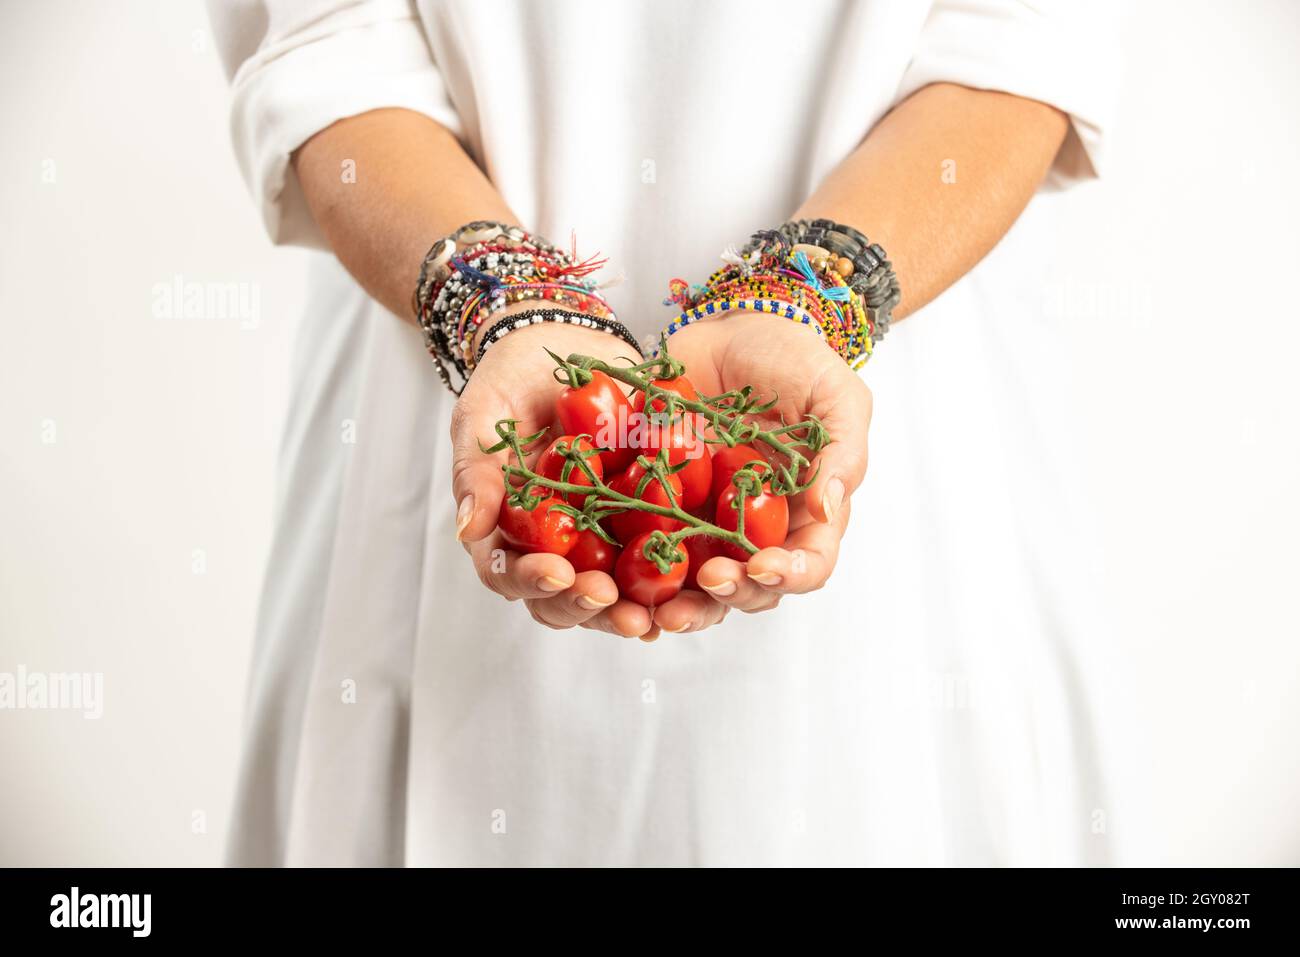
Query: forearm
413, 184
939, 181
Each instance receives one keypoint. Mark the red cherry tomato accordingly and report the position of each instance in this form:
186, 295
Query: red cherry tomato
727, 462
682, 440
551, 465
591, 553
681, 385
640, 580
767, 520
599, 409
626, 526
699, 549
543, 529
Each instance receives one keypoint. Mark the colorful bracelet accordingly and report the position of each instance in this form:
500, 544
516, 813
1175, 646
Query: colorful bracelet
850, 253
844, 288
774, 307
480, 269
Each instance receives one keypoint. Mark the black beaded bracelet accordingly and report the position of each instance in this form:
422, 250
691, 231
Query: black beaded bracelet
533, 317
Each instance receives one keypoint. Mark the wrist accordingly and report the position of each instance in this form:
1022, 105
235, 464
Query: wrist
818, 274
470, 279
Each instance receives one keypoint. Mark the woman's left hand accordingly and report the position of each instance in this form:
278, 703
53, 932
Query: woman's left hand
787, 359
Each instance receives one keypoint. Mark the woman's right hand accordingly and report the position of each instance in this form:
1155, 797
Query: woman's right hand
515, 381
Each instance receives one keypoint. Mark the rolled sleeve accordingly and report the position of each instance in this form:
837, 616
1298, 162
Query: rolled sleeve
296, 67
1058, 52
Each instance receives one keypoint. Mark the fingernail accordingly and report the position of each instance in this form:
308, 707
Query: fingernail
464, 512
547, 583
832, 498
589, 603
767, 578
678, 631
722, 590
651, 635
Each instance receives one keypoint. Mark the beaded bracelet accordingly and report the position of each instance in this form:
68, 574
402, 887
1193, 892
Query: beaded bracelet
819, 273
532, 317
856, 320
773, 307
838, 319
795, 289
863, 263
481, 268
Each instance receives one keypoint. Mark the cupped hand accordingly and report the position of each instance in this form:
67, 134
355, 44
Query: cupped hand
515, 381
790, 361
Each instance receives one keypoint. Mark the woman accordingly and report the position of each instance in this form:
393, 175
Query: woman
923, 706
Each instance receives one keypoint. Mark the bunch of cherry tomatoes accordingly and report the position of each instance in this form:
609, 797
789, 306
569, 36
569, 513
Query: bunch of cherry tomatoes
697, 479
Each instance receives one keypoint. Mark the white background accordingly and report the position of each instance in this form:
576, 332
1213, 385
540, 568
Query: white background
116, 176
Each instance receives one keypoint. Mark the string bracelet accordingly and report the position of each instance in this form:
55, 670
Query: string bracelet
475, 272
816, 272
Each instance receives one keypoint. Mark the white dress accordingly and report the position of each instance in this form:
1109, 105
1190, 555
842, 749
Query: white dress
929, 706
